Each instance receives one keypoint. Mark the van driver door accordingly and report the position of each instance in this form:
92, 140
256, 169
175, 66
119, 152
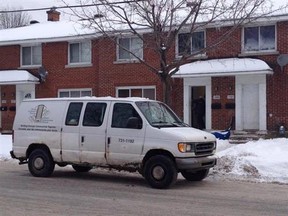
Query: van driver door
125, 135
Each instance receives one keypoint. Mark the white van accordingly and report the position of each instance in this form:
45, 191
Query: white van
133, 134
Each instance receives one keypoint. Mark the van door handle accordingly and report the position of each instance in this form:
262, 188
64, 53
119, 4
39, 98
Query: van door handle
108, 140
82, 139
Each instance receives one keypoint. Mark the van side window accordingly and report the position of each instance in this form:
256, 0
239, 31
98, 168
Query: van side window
94, 114
122, 114
73, 114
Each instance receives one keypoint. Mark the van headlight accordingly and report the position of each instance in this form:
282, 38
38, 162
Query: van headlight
186, 147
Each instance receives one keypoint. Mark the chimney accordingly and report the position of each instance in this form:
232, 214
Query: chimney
53, 15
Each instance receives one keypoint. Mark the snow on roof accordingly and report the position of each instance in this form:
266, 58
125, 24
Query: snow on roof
8, 77
223, 67
44, 32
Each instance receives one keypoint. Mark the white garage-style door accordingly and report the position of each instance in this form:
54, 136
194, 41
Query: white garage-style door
250, 106
251, 102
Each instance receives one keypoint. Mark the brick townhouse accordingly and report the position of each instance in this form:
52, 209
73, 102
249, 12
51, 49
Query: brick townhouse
240, 80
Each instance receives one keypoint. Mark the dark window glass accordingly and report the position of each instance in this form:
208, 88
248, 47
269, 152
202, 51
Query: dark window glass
267, 38
122, 112
197, 41
26, 56
73, 114
94, 114
184, 44
251, 39
74, 53
123, 93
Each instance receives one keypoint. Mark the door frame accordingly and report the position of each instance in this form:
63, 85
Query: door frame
187, 103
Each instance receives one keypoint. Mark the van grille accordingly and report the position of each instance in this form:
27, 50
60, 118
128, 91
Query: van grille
204, 148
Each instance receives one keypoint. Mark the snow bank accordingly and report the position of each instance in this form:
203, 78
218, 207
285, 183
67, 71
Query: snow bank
263, 160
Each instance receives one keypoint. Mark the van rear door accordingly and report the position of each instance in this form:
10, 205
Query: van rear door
93, 133
70, 133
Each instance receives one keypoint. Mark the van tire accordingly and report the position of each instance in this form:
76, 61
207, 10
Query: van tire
41, 163
160, 172
81, 169
195, 176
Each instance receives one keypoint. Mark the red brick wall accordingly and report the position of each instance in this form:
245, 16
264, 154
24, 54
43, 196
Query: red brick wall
222, 88
60, 75
114, 74
8, 102
229, 47
9, 57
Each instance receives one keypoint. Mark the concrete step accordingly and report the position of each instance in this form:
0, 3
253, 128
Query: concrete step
241, 137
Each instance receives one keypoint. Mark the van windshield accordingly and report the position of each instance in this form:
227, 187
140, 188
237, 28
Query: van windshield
159, 115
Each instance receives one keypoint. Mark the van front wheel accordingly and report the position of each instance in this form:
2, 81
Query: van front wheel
195, 176
160, 172
41, 163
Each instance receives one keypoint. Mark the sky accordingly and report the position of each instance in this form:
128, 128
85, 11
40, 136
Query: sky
41, 16
257, 161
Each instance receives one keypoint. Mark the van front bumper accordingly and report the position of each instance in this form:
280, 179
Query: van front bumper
194, 164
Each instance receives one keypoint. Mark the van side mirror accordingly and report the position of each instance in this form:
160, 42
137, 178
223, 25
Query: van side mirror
134, 123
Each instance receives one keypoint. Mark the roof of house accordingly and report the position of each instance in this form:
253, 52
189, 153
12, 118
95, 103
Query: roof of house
45, 32
11, 77
74, 30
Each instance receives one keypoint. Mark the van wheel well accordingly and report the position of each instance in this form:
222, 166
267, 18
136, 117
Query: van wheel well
154, 152
34, 146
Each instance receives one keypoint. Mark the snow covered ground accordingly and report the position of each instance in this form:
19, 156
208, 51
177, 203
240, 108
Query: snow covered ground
261, 161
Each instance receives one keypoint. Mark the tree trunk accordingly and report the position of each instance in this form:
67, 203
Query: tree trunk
167, 89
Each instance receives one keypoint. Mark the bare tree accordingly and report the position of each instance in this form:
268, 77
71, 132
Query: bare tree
163, 20
10, 18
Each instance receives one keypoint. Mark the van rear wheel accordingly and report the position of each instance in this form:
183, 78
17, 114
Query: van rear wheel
79, 168
41, 163
195, 176
160, 172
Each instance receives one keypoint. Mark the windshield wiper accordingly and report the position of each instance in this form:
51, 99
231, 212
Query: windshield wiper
160, 124
180, 124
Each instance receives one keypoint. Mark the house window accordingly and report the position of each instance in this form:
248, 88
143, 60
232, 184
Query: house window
32, 55
129, 46
74, 93
191, 43
259, 38
80, 52
145, 92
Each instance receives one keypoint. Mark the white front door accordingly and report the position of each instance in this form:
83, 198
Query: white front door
250, 106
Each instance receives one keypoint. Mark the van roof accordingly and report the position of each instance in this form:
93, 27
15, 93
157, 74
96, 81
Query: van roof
92, 98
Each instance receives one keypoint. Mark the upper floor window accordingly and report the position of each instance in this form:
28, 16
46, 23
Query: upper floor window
191, 43
31, 55
80, 52
130, 48
137, 91
261, 38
